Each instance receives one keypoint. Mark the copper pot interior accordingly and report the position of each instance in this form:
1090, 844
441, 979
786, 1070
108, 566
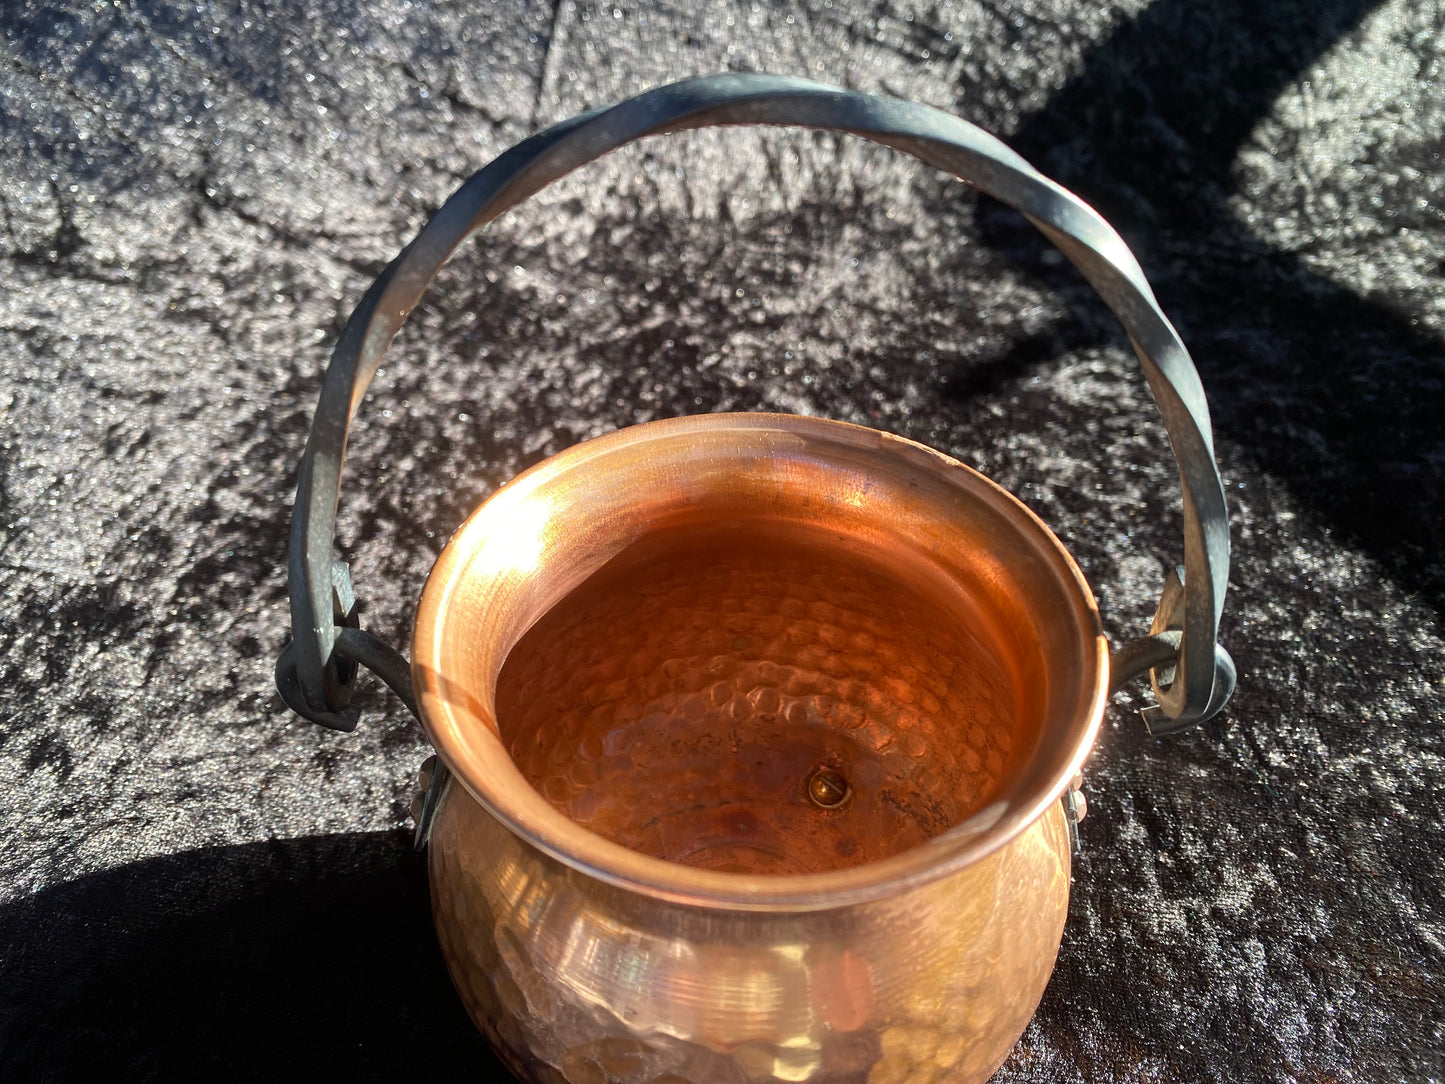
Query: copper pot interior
768, 652
750, 694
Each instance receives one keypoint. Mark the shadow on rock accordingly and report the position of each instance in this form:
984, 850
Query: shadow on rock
307, 957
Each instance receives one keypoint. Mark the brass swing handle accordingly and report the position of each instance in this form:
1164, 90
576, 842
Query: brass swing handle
1192, 675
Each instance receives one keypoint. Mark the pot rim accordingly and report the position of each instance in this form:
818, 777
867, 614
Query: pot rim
465, 737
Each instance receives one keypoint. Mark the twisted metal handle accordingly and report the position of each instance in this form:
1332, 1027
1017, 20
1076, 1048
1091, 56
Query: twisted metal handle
1192, 676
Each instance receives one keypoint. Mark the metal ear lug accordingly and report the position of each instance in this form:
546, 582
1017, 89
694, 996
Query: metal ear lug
434, 780
1155, 721
1076, 808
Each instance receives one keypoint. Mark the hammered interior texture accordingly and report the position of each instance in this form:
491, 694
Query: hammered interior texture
681, 699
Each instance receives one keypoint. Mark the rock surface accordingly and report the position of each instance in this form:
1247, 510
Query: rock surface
196, 884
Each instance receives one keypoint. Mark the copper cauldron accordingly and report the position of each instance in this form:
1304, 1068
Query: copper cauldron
756, 734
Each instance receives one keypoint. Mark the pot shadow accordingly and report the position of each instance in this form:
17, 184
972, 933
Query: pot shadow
1336, 394
308, 957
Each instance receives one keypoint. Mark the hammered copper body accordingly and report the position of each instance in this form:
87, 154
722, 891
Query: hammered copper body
920, 633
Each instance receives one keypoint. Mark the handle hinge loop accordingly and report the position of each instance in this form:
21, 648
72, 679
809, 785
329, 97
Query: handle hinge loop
352, 648
1158, 656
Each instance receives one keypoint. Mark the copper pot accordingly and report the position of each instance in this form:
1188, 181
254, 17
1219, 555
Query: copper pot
753, 729
662, 637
